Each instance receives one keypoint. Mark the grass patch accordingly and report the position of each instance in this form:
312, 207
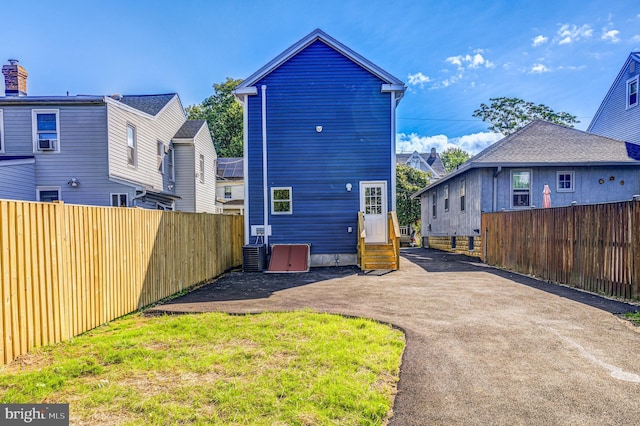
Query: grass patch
633, 316
295, 368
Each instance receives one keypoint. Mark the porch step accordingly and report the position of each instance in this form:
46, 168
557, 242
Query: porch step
379, 256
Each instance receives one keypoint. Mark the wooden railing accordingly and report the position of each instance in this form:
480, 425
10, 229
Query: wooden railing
65, 269
362, 234
393, 240
394, 235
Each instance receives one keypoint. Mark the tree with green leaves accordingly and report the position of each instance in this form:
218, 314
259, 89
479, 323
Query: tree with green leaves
508, 115
453, 157
224, 117
408, 182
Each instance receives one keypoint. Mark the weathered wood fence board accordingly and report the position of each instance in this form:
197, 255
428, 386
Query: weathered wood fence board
65, 269
592, 247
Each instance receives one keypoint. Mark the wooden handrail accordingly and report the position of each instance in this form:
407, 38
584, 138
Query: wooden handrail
362, 234
394, 235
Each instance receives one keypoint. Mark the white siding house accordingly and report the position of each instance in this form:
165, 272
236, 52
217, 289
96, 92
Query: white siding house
101, 150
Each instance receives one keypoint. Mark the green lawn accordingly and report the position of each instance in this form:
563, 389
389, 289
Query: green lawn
299, 368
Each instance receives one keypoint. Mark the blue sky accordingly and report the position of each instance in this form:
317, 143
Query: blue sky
452, 55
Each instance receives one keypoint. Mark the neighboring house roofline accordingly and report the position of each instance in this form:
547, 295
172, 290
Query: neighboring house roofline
189, 131
546, 136
39, 100
392, 83
120, 104
632, 56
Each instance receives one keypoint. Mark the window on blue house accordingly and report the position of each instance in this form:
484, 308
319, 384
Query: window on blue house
520, 188
565, 182
632, 92
281, 200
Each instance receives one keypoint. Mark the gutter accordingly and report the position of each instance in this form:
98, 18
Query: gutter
265, 191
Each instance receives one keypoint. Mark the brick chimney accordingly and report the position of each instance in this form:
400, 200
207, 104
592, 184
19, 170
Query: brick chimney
15, 79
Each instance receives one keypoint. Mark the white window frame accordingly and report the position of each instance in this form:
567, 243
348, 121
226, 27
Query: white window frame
171, 167
632, 80
446, 198
572, 180
288, 200
511, 188
1, 132
132, 145
40, 189
230, 192
160, 153
463, 195
119, 194
201, 165
35, 134
434, 204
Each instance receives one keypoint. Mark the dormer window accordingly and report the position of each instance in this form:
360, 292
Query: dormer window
632, 92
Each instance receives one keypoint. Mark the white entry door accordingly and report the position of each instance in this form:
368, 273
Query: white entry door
373, 203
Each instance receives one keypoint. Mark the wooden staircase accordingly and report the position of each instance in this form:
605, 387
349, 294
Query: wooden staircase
379, 256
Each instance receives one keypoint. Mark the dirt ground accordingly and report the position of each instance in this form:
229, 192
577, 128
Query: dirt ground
484, 346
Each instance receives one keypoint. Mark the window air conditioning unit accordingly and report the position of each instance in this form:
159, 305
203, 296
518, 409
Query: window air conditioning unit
46, 144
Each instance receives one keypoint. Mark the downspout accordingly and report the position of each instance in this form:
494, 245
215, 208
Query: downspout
495, 188
393, 152
245, 166
265, 194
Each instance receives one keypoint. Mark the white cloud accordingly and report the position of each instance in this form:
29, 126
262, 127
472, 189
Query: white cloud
539, 69
472, 143
471, 61
539, 40
572, 33
636, 37
611, 35
418, 79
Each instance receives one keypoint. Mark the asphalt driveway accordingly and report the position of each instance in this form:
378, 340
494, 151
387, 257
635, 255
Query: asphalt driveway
483, 346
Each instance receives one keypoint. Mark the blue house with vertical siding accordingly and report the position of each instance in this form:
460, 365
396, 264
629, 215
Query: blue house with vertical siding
619, 114
319, 146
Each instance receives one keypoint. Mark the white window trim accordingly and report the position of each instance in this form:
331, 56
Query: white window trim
463, 193
201, 166
48, 188
172, 161
637, 81
118, 194
279, 188
446, 198
434, 205
1, 132
160, 158
573, 181
135, 145
34, 129
165, 207
511, 188
230, 192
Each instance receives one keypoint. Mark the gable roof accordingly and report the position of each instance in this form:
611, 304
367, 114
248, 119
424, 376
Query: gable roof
431, 159
541, 143
231, 168
189, 129
329, 41
150, 104
633, 56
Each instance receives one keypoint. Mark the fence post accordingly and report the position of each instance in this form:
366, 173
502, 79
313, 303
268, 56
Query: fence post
635, 248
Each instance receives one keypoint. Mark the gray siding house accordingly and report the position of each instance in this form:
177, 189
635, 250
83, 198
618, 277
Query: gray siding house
103, 150
578, 167
619, 114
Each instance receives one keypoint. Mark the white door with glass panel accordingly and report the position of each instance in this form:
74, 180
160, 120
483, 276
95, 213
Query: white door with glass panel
373, 203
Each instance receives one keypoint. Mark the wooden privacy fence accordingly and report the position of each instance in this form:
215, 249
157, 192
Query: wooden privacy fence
592, 247
65, 269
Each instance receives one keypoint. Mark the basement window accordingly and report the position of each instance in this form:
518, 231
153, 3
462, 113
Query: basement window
119, 200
